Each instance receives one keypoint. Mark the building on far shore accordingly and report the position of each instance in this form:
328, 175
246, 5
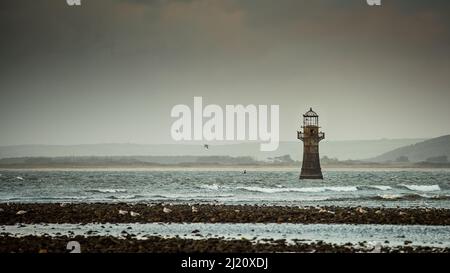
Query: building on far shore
311, 138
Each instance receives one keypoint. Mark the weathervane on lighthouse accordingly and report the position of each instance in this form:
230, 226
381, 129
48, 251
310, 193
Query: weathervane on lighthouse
311, 138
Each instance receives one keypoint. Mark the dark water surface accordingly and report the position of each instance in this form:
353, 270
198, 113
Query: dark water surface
405, 188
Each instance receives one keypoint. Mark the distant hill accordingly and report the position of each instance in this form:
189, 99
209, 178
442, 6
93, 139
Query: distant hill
342, 150
435, 150
125, 161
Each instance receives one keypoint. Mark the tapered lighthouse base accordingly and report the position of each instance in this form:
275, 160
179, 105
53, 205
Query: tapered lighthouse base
311, 176
311, 165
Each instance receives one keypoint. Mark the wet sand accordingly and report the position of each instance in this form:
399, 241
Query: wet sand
147, 213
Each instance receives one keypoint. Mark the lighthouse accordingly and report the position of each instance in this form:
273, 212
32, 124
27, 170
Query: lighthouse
311, 138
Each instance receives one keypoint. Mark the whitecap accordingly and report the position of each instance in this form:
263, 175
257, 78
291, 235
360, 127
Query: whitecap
265, 190
210, 187
125, 197
380, 187
390, 196
342, 188
189, 196
306, 189
422, 187
108, 190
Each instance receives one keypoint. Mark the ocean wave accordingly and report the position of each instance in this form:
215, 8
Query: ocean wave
380, 187
389, 196
135, 196
306, 189
193, 196
421, 187
108, 190
375, 187
313, 198
411, 197
342, 188
185, 196
210, 187
45, 198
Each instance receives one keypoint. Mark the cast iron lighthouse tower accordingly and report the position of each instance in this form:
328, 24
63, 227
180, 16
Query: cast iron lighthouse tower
311, 138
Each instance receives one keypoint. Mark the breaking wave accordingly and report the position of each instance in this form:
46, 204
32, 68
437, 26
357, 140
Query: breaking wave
411, 197
381, 188
108, 190
135, 196
421, 187
306, 189
210, 187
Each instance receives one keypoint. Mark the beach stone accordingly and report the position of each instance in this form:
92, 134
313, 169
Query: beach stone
361, 210
167, 210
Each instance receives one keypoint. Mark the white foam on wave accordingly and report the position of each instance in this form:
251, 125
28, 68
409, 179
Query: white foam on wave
191, 196
390, 196
210, 187
265, 190
306, 189
422, 187
433, 196
380, 187
413, 196
109, 190
342, 188
133, 196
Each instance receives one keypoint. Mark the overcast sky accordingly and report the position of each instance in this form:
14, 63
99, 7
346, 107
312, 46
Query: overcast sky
110, 71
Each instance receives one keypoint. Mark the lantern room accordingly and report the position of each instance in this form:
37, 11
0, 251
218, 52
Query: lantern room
310, 118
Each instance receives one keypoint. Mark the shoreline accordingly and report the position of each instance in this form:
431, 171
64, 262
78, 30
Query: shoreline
81, 213
188, 168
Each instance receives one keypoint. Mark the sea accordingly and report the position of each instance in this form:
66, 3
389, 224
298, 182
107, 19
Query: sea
340, 187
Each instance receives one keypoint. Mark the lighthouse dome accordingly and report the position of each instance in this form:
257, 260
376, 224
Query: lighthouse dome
310, 113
